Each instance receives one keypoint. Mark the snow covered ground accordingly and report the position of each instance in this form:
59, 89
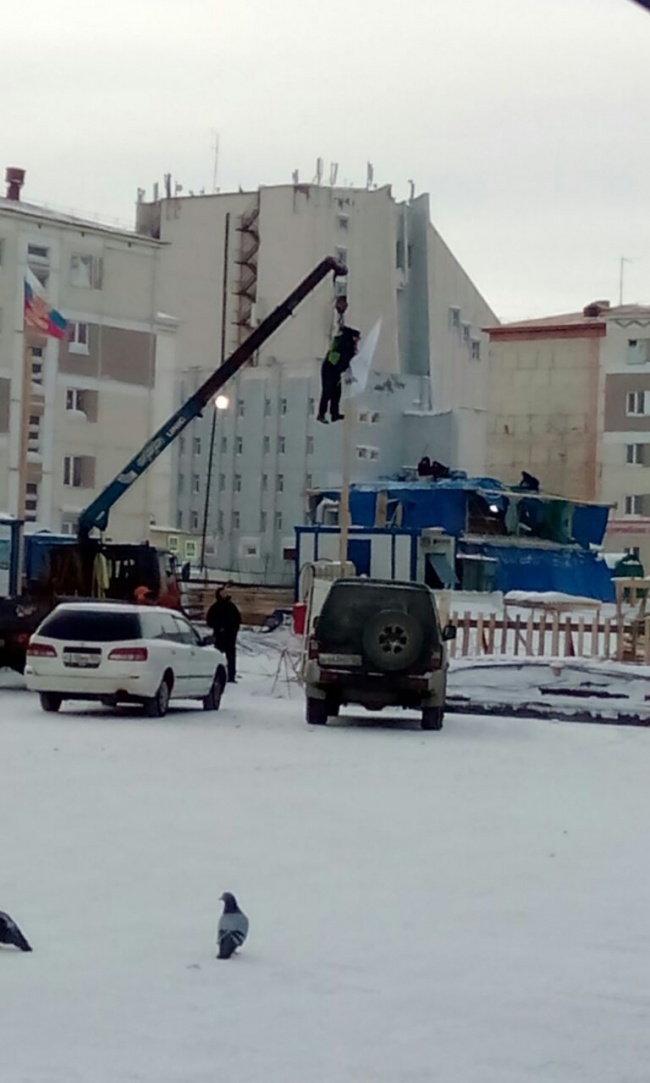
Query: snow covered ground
468, 906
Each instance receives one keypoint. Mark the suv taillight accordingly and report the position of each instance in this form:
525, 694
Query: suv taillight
128, 654
41, 650
312, 650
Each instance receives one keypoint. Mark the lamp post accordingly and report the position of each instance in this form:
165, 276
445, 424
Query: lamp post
220, 403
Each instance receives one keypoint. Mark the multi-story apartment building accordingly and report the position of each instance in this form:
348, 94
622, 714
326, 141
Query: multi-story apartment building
72, 412
228, 260
570, 404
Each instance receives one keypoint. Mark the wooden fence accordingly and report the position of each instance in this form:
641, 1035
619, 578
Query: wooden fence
550, 635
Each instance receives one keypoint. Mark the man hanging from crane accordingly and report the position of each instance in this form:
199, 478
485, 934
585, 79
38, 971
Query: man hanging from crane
339, 356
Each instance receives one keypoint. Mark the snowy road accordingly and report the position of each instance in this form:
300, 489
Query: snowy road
469, 906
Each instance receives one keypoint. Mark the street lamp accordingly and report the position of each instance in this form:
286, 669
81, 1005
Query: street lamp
220, 403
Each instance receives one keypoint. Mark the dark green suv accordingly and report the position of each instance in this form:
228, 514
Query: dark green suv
377, 643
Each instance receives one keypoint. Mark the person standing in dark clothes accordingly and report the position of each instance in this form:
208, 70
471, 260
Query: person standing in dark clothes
224, 618
339, 356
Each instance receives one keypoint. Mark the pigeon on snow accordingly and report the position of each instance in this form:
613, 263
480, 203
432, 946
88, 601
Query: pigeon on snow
11, 934
233, 927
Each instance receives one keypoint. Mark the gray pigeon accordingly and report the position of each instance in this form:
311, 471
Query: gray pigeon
233, 927
11, 934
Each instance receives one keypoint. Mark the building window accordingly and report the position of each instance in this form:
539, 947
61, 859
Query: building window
224, 444
476, 349
635, 454
341, 255
237, 483
240, 408
278, 520
196, 445
235, 520
283, 406
467, 333
311, 407
454, 317
79, 471
78, 337
265, 482
638, 351
220, 523
31, 501
635, 403
181, 445
196, 483
267, 407
262, 522
282, 445
181, 483
267, 444
279, 483
194, 519
38, 261
75, 399
86, 272
310, 445
239, 445
37, 365
179, 519
34, 433
634, 505
222, 483
343, 221
633, 551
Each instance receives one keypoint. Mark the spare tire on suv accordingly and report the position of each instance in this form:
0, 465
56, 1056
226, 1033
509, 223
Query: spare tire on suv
377, 643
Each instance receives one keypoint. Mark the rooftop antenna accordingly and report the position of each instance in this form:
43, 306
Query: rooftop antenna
156, 192
141, 195
411, 191
215, 169
319, 171
295, 176
334, 172
168, 185
370, 174
624, 260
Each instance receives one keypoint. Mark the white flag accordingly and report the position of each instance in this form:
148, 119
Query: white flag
356, 377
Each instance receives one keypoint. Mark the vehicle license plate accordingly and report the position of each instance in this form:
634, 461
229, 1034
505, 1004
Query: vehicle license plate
80, 660
340, 659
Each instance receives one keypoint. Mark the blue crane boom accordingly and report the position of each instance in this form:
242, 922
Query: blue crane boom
97, 513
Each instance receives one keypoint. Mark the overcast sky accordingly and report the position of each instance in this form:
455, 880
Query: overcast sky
526, 120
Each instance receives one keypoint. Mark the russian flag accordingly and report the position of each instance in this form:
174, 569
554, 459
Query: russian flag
38, 313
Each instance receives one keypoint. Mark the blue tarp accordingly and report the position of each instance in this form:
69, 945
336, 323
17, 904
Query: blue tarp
568, 570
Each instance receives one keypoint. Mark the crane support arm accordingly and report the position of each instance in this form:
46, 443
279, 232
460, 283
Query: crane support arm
96, 514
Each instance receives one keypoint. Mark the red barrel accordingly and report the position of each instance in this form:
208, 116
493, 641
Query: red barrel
299, 615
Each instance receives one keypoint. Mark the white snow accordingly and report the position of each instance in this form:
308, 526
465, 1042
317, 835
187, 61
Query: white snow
469, 906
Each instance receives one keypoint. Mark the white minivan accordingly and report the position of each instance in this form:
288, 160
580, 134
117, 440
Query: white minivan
119, 653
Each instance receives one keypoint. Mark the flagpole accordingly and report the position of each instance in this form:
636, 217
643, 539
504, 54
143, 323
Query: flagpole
344, 506
24, 431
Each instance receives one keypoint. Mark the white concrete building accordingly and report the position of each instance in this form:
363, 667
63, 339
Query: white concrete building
72, 412
227, 261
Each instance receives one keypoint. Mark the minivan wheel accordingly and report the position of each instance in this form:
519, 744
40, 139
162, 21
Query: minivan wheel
432, 718
212, 701
51, 701
158, 705
316, 711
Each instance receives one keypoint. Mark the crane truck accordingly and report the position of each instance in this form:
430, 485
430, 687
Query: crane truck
91, 566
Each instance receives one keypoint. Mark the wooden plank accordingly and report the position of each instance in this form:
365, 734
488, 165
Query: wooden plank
607, 637
541, 641
581, 637
518, 635
467, 619
491, 635
595, 638
555, 636
529, 635
505, 626
480, 643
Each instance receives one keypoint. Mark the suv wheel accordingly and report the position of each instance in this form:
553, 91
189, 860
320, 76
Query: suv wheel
392, 640
51, 701
316, 711
432, 718
212, 701
158, 705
